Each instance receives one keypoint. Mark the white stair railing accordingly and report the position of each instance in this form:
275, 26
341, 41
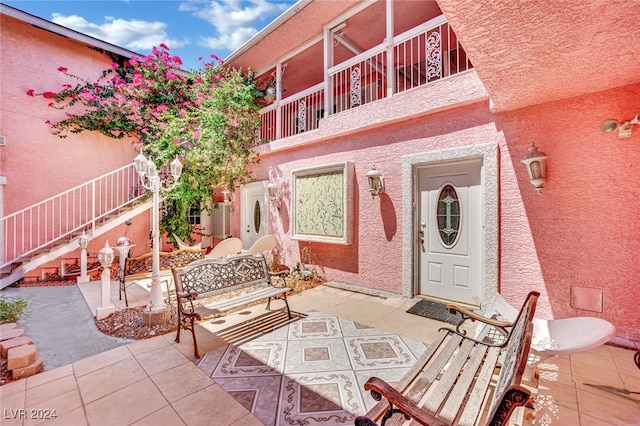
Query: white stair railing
37, 227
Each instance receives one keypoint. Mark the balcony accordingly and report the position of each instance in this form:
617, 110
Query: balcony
415, 58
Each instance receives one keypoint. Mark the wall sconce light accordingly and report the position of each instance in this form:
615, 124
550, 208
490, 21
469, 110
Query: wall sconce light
226, 196
376, 182
536, 163
624, 129
275, 193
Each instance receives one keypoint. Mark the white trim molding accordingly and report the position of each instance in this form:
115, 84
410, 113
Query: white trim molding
488, 153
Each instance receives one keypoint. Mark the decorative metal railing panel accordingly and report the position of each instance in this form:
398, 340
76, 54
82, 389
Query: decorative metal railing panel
37, 227
417, 57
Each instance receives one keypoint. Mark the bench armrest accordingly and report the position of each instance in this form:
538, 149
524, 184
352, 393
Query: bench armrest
397, 403
280, 275
467, 314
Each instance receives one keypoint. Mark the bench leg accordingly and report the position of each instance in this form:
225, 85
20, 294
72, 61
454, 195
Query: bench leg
284, 297
188, 323
196, 352
179, 326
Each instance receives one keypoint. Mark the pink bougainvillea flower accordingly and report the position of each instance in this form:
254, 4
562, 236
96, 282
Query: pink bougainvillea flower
30, 92
200, 58
115, 65
47, 122
49, 95
164, 46
176, 142
63, 69
196, 134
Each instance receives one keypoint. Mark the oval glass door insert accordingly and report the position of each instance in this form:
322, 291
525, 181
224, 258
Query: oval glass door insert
448, 216
256, 216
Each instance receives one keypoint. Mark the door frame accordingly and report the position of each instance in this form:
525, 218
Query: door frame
488, 155
261, 186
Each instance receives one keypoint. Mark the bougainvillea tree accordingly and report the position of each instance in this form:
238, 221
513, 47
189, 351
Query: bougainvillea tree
208, 117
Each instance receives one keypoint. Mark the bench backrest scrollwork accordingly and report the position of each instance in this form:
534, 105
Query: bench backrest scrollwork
215, 276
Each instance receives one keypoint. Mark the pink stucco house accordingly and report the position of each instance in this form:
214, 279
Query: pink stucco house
444, 98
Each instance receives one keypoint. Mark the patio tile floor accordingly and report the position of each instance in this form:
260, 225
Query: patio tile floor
156, 381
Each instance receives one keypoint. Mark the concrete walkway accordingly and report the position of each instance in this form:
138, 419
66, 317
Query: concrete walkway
61, 324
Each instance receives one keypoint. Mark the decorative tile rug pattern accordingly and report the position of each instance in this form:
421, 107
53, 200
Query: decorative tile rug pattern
309, 371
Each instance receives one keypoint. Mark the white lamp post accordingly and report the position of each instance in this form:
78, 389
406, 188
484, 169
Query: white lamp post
105, 257
150, 179
83, 241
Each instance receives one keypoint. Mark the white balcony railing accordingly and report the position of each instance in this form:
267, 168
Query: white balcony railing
417, 57
29, 230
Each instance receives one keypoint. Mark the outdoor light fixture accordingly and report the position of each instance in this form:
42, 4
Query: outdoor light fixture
275, 85
226, 196
83, 240
536, 163
275, 193
376, 182
624, 129
148, 172
270, 94
105, 256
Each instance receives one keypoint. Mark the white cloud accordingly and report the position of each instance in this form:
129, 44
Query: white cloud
228, 41
234, 21
136, 35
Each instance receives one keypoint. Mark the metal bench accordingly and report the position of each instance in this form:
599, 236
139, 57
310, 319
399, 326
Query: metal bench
244, 277
140, 267
455, 380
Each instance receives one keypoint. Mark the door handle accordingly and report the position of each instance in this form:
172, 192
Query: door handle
421, 237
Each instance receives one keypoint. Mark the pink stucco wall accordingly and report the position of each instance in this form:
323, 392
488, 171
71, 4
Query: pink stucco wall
581, 232
37, 164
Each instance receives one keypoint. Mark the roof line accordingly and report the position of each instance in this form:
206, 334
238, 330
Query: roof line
286, 15
64, 31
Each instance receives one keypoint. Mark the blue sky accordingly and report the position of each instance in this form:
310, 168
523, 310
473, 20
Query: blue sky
190, 28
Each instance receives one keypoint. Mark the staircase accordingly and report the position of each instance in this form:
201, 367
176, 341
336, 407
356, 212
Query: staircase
47, 230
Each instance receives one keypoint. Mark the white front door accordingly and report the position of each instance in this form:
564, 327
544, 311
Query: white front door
449, 232
254, 218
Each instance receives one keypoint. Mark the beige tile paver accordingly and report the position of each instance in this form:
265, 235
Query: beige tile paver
157, 382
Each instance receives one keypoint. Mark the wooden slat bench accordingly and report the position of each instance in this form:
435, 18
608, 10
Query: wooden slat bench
454, 380
140, 267
245, 278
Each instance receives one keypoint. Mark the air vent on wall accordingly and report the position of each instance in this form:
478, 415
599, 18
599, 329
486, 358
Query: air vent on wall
2, 141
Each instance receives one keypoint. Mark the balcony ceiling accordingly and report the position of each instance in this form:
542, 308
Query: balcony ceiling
304, 25
530, 52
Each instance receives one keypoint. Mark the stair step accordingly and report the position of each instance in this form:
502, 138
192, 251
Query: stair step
7, 326
21, 356
29, 370
5, 345
11, 333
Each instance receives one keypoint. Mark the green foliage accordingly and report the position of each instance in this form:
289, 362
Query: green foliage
207, 117
9, 309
